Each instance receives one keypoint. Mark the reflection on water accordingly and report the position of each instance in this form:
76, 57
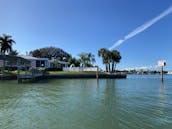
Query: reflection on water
132, 103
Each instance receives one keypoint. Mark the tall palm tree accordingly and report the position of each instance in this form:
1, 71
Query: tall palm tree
109, 57
83, 58
91, 58
104, 53
6, 43
86, 59
115, 58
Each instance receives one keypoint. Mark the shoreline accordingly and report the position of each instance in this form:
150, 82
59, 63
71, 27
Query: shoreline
70, 76
81, 76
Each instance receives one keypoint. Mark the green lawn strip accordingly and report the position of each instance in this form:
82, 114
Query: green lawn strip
15, 72
56, 73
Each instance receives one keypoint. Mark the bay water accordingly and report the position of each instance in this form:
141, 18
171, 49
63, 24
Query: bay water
138, 102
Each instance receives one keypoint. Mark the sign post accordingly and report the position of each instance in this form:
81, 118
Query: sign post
162, 63
97, 75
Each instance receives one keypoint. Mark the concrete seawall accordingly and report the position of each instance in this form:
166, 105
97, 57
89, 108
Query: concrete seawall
70, 76
77, 76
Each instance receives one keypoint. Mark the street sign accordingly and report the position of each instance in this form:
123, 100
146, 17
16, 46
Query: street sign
161, 63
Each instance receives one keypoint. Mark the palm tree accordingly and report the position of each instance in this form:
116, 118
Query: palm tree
109, 57
5, 46
104, 53
86, 59
14, 53
115, 58
91, 58
83, 58
73, 61
6, 43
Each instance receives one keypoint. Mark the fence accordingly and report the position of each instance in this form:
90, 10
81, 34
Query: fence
80, 69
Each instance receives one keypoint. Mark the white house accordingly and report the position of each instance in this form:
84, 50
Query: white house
37, 62
29, 61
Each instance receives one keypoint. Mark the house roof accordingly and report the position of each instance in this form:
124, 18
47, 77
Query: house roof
33, 58
63, 62
60, 62
43, 59
28, 57
8, 57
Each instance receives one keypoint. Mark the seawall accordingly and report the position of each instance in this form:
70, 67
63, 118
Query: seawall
77, 76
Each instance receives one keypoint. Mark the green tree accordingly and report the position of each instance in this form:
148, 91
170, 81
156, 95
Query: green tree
50, 52
109, 57
6, 43
14, 53
115, 58
82, 58
91, 58
73, 61
105, 54
36, 53
86, 59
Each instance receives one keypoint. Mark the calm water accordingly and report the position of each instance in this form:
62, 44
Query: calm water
138, 102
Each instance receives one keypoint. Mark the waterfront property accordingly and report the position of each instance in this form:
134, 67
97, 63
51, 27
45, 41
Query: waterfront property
37, 62
11, 61
32, 68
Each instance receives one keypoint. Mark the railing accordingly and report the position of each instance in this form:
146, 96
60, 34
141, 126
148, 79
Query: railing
80, 69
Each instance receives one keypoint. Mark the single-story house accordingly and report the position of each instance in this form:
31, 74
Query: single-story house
37, 62
29, 61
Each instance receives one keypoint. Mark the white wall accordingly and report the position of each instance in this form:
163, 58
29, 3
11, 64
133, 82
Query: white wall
79, 69
1, 63
33, 63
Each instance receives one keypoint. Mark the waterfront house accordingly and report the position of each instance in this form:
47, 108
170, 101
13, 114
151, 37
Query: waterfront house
37, 62
29, 61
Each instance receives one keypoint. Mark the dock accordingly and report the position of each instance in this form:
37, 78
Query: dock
29, 77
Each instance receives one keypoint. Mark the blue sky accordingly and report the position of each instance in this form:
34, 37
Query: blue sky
88, 25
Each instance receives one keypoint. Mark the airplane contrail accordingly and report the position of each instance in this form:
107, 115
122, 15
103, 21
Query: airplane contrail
142, 27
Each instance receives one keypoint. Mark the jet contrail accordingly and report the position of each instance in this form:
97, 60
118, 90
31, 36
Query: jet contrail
142, 27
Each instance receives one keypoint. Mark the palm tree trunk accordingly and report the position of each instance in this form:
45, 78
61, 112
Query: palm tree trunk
3, 70
109, 67
106, 68
112, 66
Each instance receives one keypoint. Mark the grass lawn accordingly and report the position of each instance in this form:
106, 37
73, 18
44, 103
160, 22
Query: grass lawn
56, 73
15, 72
